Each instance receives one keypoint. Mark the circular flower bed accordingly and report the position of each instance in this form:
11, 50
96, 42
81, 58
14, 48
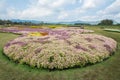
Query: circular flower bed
60, 50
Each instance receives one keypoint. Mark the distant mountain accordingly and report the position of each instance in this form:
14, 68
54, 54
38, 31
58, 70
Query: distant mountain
70, 22
81, 22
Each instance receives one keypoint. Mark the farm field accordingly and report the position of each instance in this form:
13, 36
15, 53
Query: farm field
106, 70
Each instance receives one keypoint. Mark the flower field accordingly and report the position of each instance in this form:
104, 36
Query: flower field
58, 48
108, 69
26, 31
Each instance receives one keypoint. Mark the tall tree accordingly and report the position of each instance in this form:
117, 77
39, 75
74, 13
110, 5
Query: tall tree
106, 22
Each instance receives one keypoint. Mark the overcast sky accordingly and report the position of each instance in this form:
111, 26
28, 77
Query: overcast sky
60, 10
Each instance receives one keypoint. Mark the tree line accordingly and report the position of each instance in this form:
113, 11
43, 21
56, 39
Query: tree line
102, 22
9, 22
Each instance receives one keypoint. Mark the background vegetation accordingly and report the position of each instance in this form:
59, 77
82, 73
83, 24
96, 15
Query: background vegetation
106, 22
8, 23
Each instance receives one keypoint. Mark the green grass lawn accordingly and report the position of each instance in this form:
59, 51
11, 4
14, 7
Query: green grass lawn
106, 70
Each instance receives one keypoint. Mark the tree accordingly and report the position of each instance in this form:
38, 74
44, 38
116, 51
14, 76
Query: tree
1, 22
118, 24
106, 22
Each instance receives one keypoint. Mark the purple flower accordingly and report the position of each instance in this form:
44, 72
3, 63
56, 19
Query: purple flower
108, 48
100, 39
88, 39
80, 47
68, 42
45, 38
38, 50
19, 43
62, 37
13, 43
7, 45
91, 47
41, 41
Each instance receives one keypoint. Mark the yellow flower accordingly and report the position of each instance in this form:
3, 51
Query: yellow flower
59, 27
37, 34
52, 27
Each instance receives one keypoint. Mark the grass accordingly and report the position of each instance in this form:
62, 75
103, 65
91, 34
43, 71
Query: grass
112, 30
106, 70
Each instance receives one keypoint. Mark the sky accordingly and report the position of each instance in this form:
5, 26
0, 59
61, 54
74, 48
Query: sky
60, 10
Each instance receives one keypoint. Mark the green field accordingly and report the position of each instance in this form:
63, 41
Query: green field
106, 70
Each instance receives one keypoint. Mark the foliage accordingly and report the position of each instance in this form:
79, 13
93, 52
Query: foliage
52, 27
36, 26
9, 23
106, 22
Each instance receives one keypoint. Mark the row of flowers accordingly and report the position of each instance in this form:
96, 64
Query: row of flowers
26, 31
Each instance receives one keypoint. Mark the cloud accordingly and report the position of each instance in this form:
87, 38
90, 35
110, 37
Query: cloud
97, 17
63, 15
112, 9
2, 3
35, 12
111, 12
2, 8
54, 3
93, 4
88, 4
62, 10
40, 8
